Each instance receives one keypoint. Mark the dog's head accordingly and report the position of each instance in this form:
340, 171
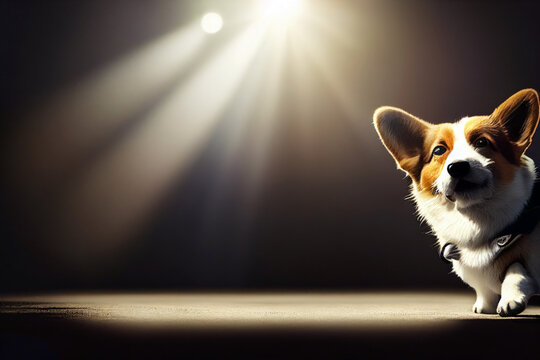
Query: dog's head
464, 162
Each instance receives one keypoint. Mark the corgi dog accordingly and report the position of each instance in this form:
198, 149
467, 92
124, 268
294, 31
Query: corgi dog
472, 182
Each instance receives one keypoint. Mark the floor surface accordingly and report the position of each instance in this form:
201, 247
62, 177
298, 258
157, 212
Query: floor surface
259, 325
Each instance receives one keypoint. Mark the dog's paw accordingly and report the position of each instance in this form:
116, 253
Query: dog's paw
483, 307
511, 307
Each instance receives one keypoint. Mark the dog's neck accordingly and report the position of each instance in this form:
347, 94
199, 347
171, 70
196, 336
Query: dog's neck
475, 226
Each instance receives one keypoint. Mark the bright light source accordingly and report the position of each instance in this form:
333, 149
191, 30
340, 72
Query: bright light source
211, 23
280, 9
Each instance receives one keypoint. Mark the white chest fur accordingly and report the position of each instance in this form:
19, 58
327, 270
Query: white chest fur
482, 278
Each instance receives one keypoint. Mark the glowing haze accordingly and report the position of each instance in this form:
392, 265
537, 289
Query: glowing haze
135, 126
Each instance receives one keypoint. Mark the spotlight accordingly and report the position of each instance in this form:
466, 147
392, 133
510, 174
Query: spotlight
279, 9
211, 23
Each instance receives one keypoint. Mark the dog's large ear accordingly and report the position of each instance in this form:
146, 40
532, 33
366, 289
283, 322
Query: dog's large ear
519, 117
403, 135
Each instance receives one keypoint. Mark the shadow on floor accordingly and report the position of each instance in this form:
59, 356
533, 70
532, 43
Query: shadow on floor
47, 335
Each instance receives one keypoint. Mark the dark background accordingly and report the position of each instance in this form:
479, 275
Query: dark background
324, 215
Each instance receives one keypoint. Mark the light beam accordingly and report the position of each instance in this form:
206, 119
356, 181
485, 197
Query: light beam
136, 176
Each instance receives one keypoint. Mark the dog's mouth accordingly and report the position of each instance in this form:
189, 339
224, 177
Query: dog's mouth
464, 187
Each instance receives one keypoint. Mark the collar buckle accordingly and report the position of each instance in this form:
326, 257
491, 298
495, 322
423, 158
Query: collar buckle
504, 240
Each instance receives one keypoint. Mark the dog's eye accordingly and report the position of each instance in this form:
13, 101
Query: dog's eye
439, 150
481, 142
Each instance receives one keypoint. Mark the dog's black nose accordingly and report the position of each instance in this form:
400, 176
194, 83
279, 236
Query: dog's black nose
459, 169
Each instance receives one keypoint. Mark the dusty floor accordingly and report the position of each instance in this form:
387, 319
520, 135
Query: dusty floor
258, 325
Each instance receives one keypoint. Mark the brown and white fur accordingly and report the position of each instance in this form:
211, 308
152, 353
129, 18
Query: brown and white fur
469, 207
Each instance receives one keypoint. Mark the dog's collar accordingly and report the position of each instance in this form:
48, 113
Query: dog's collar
523, 225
